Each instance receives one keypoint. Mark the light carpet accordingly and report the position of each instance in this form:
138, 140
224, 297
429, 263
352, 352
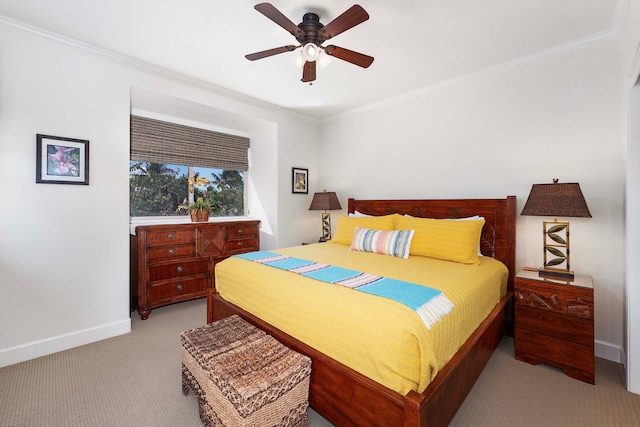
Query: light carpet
135, 380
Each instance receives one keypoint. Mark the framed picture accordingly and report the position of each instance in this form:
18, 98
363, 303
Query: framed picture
62, 160
300, 180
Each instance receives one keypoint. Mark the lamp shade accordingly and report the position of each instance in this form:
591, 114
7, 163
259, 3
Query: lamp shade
556, 200
325, 201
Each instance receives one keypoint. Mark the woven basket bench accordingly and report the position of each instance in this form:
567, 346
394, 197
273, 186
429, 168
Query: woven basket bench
243, 377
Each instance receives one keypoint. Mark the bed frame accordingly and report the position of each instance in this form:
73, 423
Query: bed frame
348, 398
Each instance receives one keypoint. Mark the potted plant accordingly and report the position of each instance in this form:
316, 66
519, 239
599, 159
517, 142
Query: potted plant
199, 210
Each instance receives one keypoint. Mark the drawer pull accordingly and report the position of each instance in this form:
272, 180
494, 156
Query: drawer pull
240, 230
179, 287
172, 251
179, 269
240, 243
172, 236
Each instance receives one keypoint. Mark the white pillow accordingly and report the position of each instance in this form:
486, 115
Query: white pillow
359, 214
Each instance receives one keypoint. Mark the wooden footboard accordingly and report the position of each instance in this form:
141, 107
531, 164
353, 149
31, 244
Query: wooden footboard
347, 398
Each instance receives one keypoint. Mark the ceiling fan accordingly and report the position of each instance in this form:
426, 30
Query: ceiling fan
310, 33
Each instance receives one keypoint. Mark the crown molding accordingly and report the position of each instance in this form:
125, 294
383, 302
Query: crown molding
562, 49
132, 63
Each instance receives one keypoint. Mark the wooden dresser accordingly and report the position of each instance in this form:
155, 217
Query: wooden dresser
173, 263
554, 323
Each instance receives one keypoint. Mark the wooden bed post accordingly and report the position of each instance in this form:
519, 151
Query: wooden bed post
414, 410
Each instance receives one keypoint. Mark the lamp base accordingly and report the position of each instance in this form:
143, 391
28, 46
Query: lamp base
557, 273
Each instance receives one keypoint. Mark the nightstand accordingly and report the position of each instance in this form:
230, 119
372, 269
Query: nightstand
554, 323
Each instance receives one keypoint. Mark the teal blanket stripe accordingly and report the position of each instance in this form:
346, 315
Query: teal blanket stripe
430, 304
409, 294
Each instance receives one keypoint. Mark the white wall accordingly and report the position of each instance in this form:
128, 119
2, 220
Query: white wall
631, 66
64, 252
497, 133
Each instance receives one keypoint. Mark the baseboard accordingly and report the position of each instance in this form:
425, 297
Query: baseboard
32, 350
608, 351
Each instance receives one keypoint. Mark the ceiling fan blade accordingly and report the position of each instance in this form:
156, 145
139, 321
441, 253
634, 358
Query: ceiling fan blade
309, 71
270, 52
268, 10
355, 58
353, 16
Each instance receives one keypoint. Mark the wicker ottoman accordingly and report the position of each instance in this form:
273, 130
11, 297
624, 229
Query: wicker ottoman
243, 377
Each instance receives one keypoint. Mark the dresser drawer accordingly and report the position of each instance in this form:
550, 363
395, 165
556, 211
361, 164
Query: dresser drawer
240, 230
177, 289
169, 237
241, 245
178, 269
171, 251
554, 300
556, 325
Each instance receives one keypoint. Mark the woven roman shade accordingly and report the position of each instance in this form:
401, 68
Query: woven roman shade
171, 143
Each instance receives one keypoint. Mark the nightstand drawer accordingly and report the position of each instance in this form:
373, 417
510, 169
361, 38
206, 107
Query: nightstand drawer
556, 350
554, 298
555, 325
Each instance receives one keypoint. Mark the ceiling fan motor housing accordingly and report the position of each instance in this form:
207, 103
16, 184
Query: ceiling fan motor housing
311, 27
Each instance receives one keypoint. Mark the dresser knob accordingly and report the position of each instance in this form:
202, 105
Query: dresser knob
179, 287
172, 236
239, 243
239, 230
179, 269
172, 251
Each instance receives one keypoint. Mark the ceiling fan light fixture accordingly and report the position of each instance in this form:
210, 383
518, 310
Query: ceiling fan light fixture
310, 52
310, 34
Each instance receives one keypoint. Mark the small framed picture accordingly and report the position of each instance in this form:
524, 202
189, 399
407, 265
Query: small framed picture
300, 180
62, 160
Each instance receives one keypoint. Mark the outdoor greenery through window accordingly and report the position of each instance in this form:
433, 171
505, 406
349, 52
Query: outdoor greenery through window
157, 189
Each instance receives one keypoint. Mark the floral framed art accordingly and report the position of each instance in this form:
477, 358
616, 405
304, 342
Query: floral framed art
62, 160
300, 181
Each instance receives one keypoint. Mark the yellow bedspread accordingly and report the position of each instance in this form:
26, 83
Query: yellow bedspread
382, 339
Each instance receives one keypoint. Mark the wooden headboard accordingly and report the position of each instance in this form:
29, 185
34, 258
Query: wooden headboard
498, 239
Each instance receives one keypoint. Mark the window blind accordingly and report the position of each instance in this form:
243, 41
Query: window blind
171, 143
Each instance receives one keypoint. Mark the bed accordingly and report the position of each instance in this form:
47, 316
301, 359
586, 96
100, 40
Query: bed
347, 397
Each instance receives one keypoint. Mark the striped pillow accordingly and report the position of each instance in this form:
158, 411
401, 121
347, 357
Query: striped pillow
387, 242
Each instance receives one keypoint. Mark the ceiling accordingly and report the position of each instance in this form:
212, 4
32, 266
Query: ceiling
417, 44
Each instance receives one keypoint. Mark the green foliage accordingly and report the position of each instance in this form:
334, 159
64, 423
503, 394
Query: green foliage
227, 193
200, 203
157, 190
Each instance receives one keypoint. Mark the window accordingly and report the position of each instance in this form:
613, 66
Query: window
172, 165
158, 189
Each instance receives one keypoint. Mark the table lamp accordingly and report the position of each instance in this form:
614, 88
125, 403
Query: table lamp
556, 200
325, 201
